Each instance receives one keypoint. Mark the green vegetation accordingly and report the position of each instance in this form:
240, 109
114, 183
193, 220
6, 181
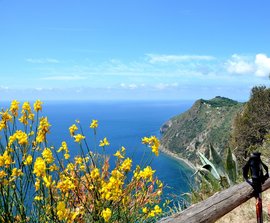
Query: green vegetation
252, 125
214, 174
203, 133
207, 122
220, 102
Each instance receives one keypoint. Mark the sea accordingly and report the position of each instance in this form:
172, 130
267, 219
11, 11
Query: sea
124, 123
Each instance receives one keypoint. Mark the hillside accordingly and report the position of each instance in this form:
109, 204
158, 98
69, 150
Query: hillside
207, 121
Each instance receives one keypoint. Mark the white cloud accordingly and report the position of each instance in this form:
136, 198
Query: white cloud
42, 60
239, 65
163, 86
64, 78
163, 58
4, 87
129, 86
262, 65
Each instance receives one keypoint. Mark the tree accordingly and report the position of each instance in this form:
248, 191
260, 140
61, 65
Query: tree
253, 123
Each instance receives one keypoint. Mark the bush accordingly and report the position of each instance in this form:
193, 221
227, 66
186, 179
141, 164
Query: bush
43, 184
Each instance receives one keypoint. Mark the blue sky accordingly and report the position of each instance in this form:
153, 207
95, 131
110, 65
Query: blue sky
139, 49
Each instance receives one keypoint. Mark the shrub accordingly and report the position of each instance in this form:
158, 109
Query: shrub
44, 184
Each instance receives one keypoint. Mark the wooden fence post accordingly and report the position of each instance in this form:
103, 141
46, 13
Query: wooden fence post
216, 206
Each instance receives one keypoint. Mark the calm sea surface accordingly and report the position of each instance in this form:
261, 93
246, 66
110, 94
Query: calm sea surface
124, 124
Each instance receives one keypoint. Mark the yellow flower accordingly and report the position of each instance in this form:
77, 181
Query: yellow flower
70, 166
153, 143
75, 214
53, 167
44, 125
65, 184
145, 210
66, 155
38, 105
78, 160
26, 113
155, 150
118, 155
20, 136
40, 137
2, 174
12, 139
28, 160
47, 155
147, 173
26, 106
159, 183
16, 172
5, 159
38, 198
14, 107
104, 142
157, 210
63, 147
37, 184
106, 214
94, 124
23, 119
31, 116
43, 129
48, 181
39, 167
145, 140
61, 210
72, 129
2, 125
6, 117
95, 173
78, 138
126, 165
82, 167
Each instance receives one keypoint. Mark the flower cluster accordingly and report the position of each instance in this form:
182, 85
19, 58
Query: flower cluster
153, 143
39, 183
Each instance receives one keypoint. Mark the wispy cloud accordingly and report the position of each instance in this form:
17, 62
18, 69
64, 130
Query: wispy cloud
164, 58
4, 88
42, 60
164, 86
149, 86
64, 78
131, 86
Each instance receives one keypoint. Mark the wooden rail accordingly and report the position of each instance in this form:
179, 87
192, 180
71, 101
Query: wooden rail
215, 206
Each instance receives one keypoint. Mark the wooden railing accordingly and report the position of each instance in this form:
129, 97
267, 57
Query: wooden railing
215, 206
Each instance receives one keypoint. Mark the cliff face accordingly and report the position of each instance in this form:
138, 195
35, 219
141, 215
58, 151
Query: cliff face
207, 121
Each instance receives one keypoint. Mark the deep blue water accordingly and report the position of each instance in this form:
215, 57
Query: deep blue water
124, 124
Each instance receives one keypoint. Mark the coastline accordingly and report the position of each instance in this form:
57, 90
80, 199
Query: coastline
178, 158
